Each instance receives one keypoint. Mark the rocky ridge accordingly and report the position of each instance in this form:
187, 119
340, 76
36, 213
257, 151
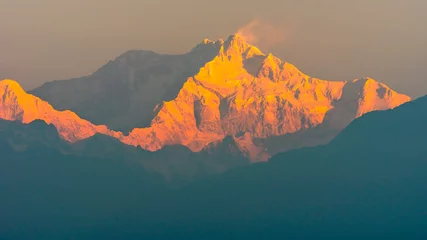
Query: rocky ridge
241, 92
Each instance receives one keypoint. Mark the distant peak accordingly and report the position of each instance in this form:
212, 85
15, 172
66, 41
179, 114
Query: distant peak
371, 86
10, 85
270, 61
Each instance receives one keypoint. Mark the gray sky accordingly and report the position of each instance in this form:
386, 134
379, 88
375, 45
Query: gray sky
43, 40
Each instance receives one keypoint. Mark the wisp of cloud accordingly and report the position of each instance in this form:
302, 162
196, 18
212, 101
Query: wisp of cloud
262, 34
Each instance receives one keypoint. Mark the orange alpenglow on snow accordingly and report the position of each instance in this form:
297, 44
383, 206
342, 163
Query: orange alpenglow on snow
241, 90
244, 90
17, 105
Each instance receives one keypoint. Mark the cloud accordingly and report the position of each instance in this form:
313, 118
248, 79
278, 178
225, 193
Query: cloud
262, 34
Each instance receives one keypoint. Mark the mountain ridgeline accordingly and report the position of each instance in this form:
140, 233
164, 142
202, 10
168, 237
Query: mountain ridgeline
223, 104
217, 90
369, 182
155, 146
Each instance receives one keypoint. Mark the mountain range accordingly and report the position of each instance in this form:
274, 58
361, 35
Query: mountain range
221, 91
155, 146
367, 183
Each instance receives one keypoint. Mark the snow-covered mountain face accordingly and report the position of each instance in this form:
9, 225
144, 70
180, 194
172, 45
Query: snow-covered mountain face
219, 89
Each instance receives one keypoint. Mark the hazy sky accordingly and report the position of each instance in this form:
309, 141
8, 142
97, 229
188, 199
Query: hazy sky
43, 40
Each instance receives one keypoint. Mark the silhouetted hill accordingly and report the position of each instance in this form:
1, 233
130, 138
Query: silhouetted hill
177, 164
368, 183
397, 131
43, 185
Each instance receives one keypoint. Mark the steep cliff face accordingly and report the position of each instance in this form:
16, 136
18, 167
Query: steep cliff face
236, 91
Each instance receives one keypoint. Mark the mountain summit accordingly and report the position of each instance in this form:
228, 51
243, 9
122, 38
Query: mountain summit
218, 89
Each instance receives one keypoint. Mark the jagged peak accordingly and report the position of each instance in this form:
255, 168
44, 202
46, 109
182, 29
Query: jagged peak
274, 68
270, 67
270, 55
235, 40
235, 44
271, 60
367, 81
369, 86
